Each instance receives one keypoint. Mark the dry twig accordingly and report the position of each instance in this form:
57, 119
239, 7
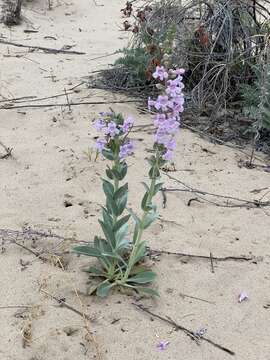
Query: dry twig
203, 257
33, 106
188, 332
237, 202
8, 151
42, 48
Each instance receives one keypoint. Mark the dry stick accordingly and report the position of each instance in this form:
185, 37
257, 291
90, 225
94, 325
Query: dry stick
69, 107
16, 307
212, 264
19, 98
103, 56
224, 258
62, 302
7, 150
254, 203
42, 48
71, 104
197, 298
38, 255
35, 99
188, 332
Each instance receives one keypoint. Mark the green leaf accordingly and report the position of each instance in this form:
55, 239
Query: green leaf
146, 290
104, 288
95, 271
151, 161
87, 250
108, 154
108, 188
92, 289
108, 232
135, 217
146, 186
157, 188
136, 231
138, 269
121, 234
150, 217
143, 277
140, 253
109, 173
121, 248
111, 205
103, 246
116, 174
144, 201
154, 172
121, 222
107, 218
120, 192
122, 170
121, 203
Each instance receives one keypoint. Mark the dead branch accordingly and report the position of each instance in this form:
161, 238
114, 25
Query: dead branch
202, 194
34, 106
204, 257
7, 153
62, 302
16, 307
188, 332
38, 255
42, 48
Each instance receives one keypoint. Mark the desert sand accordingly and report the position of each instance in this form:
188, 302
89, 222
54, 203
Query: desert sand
50, 166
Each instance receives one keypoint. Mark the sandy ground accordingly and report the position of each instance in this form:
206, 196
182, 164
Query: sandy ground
50, 165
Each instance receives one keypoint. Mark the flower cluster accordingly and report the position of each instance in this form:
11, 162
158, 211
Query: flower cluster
169, 105
114, 129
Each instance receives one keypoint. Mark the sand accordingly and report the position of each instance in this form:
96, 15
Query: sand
50, 165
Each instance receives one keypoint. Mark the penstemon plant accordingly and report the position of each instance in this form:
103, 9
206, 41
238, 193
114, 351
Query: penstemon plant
121, 259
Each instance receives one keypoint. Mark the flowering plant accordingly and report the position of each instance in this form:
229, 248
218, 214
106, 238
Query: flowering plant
121, 260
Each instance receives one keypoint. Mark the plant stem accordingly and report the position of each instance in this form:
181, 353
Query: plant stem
140, 232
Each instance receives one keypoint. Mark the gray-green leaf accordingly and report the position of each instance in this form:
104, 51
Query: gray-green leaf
104, 288
143, 277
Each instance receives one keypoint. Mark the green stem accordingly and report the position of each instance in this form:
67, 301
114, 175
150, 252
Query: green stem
140, 232
116, 185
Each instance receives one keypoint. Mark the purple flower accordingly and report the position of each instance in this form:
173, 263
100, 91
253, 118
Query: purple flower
99, 124
173, 87
105, 113
111, 129
126, 149
171, 144
151, 103
128, 123
160, 73
168, 155
179, 100
100, 144
159, 119
169, 106
242, 297
162, 345
162, 102
179, 71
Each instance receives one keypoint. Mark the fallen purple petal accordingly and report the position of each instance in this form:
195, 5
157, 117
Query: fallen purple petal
162, 345
199, 333
242, 297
